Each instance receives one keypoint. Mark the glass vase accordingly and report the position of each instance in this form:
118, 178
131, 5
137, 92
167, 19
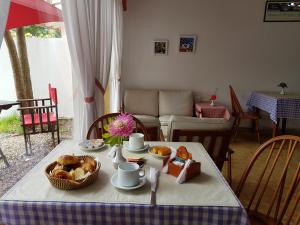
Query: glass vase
119, 158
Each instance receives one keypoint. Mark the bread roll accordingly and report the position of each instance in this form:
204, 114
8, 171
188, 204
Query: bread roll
161, 150
67, 160
62, 174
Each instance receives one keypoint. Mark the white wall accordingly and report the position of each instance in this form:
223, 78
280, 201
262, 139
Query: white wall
234, 47
49, 63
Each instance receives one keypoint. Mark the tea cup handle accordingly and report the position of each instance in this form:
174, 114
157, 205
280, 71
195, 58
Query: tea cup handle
141, 173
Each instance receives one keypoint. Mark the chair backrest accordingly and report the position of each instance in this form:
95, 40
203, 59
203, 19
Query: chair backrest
235, 104
52, 94
98, 126
275, 167
216, 142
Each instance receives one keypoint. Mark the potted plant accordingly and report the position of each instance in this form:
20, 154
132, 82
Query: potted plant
283, 86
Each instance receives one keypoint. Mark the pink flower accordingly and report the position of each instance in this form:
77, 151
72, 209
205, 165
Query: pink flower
122, 126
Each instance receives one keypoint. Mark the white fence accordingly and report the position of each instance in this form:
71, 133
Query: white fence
50, 62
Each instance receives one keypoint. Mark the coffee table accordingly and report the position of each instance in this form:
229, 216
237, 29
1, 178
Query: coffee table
204, 109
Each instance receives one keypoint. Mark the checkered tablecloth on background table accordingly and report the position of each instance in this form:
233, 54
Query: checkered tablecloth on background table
278, 106
206, 200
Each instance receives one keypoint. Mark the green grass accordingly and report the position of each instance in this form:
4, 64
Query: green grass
11, 124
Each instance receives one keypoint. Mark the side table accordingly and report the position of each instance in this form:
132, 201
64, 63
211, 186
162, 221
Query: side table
6, 105
204, 109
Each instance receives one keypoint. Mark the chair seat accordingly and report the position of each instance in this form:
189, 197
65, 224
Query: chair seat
260, 219
28, 119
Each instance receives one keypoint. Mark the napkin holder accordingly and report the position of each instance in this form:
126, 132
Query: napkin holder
193, 170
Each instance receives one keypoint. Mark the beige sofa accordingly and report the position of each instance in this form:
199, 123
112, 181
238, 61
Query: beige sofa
166, 109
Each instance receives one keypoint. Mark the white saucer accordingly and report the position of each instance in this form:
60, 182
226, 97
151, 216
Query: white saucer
144, 148
114, 182
88, 145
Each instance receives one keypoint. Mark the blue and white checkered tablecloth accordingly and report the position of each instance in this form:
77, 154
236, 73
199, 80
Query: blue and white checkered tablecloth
34, 201
33, 213
277, 106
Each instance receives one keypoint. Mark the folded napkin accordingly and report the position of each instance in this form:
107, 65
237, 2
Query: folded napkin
153, 175
182, 176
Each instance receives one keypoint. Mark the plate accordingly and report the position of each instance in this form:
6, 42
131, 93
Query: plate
144, 148
92, 145
157, 155
114, 182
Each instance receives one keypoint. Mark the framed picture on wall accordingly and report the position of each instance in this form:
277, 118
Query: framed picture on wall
187, 43
161, 47
282, 11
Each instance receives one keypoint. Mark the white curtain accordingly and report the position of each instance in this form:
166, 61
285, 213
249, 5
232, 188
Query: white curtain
89, 33
4, 8
115, 93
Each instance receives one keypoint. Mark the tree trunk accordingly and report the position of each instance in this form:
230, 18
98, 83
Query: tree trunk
15, 62
22, 50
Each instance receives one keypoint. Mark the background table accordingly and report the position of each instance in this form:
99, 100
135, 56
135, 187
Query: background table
204, 109
278, 106
207, 199
3, 106
7, 104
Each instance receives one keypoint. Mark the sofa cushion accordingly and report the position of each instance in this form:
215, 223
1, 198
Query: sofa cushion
176, 103
195, 123
148, 121
141, 102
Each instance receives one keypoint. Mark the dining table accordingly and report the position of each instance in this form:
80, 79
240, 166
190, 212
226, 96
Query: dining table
279, 106
205, 199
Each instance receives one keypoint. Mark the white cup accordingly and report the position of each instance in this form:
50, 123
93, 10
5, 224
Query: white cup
129, 174
136, 141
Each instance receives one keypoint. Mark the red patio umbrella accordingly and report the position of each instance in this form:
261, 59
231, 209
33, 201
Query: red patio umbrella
29, 12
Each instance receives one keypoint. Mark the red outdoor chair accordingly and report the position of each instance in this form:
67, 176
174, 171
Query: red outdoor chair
39, 116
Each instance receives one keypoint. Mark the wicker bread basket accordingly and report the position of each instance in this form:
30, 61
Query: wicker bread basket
70, 184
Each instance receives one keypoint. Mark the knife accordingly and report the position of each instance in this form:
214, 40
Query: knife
153, 181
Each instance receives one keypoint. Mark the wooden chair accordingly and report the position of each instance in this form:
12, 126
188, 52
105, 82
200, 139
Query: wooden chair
276, 169
98, 126
239, 114
216, 142
39, 116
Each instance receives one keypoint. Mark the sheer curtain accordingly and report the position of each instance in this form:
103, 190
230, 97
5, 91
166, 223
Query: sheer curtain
115, 93
4, 8
89, 33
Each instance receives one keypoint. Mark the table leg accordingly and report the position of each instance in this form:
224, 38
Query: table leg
283, 125
275, 128
2, 156
257, 111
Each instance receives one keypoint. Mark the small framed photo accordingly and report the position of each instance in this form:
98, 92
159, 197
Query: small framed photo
282, 11
161, 47
187, 43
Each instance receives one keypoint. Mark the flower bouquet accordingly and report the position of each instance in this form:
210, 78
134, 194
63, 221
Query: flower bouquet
283, 86
213, 98
118, 130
